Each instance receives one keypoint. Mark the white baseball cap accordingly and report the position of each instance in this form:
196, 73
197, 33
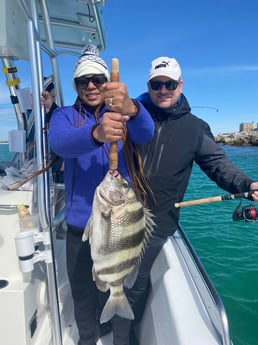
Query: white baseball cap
166, 67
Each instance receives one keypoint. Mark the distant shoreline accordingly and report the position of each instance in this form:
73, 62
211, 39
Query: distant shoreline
238, 139
4, 142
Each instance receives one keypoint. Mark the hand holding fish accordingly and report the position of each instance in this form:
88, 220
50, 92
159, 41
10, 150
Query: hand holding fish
110, 128
117, 99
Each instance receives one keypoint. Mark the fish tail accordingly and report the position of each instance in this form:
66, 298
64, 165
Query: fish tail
116, 306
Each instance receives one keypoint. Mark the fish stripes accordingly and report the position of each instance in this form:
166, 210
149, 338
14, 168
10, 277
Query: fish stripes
121, 266
122, 243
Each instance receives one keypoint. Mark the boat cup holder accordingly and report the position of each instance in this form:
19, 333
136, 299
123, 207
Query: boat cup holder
26, 243
3, 283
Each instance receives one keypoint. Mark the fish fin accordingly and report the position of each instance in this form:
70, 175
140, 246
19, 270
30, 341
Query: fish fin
116, 305
106, 213
149, 222
131, 278
149, 228
86, 233
101, 285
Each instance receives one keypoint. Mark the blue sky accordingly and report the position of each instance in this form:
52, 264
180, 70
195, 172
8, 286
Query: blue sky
215, 42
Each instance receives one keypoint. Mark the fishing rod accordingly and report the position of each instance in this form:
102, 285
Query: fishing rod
113, 155
216, 199
204, 107
247, 213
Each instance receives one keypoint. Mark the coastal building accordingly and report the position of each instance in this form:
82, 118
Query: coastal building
247, 127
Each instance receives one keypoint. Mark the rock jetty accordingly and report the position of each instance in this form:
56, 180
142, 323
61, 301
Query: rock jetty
238, 139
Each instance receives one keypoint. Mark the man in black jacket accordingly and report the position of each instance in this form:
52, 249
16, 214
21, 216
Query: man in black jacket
180, 140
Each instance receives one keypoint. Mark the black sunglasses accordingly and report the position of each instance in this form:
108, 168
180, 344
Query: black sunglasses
97, 80
170, 85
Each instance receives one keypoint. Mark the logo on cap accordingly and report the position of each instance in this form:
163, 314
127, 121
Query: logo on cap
163, 64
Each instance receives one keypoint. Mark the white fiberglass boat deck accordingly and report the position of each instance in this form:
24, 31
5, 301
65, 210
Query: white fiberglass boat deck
36, 305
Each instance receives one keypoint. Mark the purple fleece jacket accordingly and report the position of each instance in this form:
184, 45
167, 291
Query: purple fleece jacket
87, 162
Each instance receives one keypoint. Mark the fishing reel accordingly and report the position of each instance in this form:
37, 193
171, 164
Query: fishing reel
247, 213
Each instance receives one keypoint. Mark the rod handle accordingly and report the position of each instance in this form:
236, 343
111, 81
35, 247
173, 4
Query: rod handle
198, 201
113, 154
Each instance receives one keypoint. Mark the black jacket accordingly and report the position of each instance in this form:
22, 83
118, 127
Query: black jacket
180, 139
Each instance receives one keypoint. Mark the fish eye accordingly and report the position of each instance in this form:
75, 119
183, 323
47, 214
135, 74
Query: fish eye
125, 184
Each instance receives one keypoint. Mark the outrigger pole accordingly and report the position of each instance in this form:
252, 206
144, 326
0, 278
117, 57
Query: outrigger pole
215, 199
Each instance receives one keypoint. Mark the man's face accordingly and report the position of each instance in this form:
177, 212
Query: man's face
162, 97
89, 89
53, 95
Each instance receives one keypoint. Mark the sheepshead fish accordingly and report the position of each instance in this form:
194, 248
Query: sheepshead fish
118, 231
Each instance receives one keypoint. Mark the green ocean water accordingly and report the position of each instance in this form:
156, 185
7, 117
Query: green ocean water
227, 249
5, 155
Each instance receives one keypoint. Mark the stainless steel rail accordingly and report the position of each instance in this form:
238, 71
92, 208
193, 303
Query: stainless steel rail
10, 207
31, 17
